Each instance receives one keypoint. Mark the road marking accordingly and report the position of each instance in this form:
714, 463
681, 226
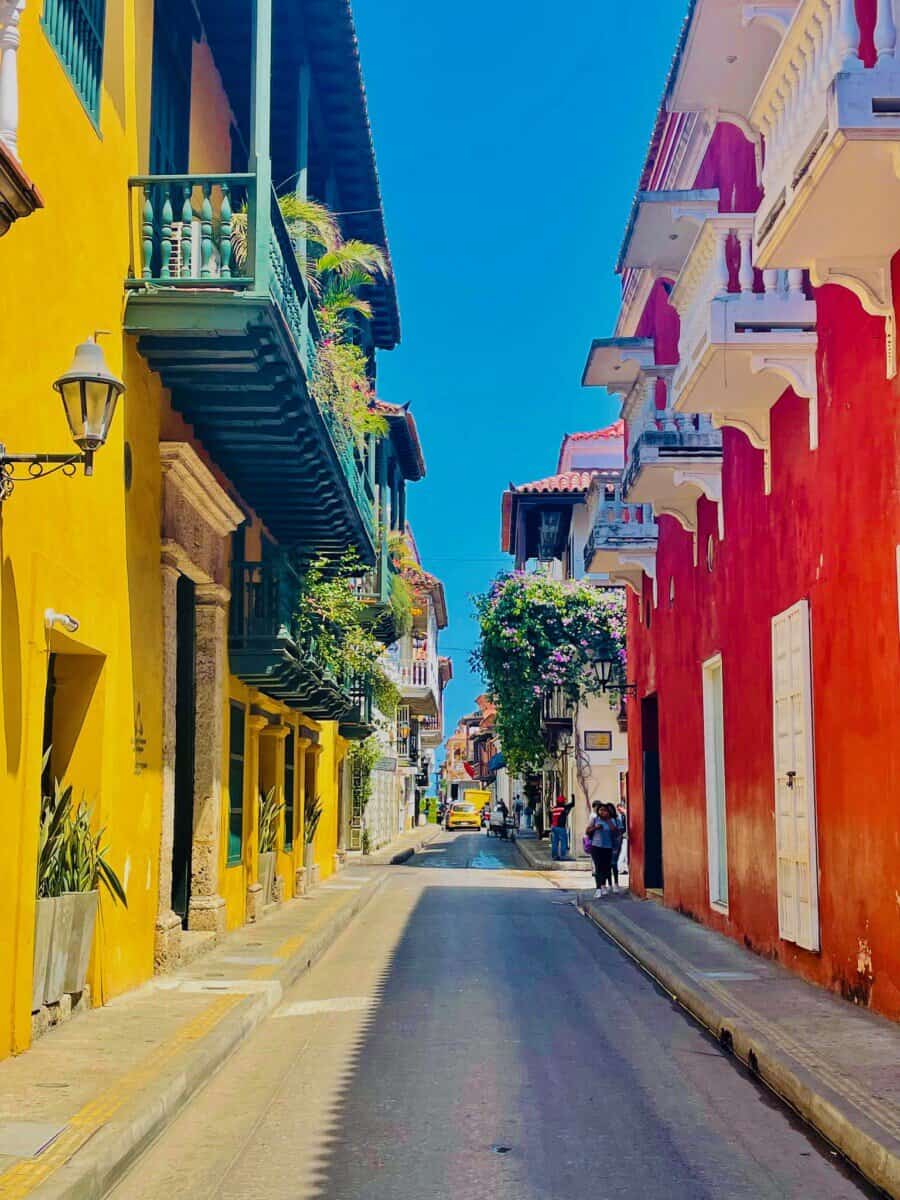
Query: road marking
307, 1008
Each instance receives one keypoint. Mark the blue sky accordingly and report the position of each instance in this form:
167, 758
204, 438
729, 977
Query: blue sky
509, 137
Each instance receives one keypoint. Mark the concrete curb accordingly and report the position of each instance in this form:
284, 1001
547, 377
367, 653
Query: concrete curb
537, 863
96, 1168
405, 855
857, 1137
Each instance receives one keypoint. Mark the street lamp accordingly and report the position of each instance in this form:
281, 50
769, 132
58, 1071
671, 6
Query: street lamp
89, 392
608, 671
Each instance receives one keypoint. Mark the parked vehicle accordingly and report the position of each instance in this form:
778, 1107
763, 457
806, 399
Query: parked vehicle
463, 815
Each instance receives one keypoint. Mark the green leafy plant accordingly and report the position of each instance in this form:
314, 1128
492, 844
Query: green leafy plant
366, 844
363, 756
312, 815
537, 633
71, 857
331, 616
336, 269
269, 812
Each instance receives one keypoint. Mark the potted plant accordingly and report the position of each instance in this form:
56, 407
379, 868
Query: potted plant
312, 813
269, 812
72, 867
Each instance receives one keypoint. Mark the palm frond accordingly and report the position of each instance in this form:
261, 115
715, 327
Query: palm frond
339, 299
314, 220
352, 256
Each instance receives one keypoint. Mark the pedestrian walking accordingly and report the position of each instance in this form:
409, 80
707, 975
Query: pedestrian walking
623, 853
518, 808
599, 835
618, 835
559, 831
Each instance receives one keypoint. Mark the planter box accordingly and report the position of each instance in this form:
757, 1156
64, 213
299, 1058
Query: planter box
45, 913
81, 939
267, 875
59, 947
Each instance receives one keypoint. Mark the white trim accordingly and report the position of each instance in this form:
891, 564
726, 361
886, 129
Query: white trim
716, 815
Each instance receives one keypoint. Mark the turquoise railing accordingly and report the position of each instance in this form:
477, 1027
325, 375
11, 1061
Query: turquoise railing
191, 230
194, 231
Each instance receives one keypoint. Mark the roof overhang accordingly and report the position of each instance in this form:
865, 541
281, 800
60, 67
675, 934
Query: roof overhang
405, 438
726, 52
663, 227
615, 363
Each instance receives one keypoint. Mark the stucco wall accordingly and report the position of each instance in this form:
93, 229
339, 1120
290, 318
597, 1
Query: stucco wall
828, 532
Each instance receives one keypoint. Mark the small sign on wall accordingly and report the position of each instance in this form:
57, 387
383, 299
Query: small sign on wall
598, 739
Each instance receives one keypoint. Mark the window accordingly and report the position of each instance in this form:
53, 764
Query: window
75, 30
714, 753
289, 791
236, 784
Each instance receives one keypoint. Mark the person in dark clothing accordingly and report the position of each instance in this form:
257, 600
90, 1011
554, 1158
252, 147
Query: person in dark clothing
618, 832
559, 832
600, 833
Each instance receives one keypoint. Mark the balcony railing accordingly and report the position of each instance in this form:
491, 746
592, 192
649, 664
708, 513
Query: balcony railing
745, 335
417, 673
673, 458
828, 111
623, 538
198, 233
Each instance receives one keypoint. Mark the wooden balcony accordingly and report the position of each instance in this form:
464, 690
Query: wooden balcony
263, 648
745, 337
829, 115
220, 309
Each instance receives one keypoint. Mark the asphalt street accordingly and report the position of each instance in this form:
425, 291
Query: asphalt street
472, 1037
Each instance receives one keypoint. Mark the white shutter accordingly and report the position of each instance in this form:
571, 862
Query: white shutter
795, 804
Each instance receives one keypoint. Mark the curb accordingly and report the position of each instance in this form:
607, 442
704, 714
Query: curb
799, 1086
96, 1168
405, 855
537, 864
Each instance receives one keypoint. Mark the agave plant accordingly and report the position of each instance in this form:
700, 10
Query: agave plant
269, 812
71, 857
312, 813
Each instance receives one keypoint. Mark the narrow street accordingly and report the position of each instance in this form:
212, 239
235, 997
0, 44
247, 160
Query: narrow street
472, 1036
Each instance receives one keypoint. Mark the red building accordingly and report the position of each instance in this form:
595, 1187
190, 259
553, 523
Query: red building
755, 356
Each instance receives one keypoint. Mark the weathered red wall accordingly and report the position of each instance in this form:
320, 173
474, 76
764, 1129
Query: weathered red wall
829, 532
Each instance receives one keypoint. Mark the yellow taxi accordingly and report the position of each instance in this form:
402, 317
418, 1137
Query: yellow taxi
463, 815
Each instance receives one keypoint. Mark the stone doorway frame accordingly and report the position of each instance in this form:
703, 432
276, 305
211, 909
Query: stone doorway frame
197, 520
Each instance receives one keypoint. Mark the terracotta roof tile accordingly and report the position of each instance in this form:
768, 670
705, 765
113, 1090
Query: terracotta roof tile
567, 483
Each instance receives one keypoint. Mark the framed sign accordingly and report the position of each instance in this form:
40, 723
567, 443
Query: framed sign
598, 739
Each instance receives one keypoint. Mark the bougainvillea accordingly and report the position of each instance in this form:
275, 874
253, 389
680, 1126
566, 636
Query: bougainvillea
538, 633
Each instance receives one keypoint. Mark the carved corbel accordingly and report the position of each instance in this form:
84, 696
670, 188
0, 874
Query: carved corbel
799, 372
755, 426
710, 484
869, 280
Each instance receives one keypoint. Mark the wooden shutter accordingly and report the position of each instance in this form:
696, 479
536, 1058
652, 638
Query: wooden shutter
795, 804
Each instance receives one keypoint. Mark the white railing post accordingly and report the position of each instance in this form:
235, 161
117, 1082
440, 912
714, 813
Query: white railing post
721, 261
848, 36
745, 270
10, 14
885, 30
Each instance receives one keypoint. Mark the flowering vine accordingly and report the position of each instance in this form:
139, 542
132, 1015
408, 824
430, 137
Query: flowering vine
538, 633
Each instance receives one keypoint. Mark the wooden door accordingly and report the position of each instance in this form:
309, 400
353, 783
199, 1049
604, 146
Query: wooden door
795, 805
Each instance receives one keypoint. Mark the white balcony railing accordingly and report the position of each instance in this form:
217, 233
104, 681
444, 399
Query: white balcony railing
828, 111
10, 15
790, 108
746, 336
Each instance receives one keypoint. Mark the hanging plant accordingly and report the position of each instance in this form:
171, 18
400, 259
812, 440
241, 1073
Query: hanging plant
537, 633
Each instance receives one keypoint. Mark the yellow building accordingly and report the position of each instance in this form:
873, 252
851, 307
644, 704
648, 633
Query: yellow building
176, 696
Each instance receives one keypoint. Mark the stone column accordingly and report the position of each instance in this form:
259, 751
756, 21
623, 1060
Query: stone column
255, 898
342, 788
312, 874
207, 906
301, 745
167, 933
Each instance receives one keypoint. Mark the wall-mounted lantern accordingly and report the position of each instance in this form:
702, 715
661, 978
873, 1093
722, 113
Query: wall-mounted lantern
608, 672
89, 392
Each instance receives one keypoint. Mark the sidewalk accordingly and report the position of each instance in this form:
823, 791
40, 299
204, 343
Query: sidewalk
88, 1097
837, 1065
536, 853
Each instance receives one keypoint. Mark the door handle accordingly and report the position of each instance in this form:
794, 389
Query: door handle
790, 776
